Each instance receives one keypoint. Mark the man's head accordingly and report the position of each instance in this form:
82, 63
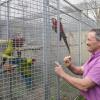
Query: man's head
93, 40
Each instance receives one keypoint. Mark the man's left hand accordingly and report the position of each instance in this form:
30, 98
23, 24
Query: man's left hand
59, 71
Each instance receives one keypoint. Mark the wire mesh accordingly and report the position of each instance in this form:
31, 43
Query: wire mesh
29, 47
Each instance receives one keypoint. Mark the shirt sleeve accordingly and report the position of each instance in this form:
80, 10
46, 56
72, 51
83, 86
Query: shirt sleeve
94, 73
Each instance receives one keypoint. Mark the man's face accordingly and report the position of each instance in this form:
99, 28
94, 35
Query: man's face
92, 44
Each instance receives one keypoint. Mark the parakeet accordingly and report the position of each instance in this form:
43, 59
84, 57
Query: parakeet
7, 52
11, 44
26, 70
62, 33
24, 66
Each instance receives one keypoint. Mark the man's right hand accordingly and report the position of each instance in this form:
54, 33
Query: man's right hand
67, 61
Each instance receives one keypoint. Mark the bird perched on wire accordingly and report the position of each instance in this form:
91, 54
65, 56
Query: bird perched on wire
26, 70
24, 67
7, 52
62, 33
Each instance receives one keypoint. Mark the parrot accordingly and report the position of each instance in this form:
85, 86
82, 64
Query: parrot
23, 64
24, 67
9, 50
26, 70
7, 53
62, 33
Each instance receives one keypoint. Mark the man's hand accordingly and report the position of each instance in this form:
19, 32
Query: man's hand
67, 61
59, 70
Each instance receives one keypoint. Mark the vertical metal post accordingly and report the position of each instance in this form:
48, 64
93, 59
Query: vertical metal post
58, 36
46, 47
23, 18
7, 20
8, 34
80, 41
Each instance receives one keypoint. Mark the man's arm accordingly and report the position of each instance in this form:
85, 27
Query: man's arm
75, 69
81, 84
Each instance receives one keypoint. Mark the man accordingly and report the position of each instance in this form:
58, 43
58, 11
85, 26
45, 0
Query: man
89, 85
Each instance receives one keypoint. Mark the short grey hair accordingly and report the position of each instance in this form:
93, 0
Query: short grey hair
97, 35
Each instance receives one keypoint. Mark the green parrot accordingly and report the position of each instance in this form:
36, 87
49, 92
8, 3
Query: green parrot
24, 67
23, 64
8, 50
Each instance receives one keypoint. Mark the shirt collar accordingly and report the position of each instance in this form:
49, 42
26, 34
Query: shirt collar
97, 53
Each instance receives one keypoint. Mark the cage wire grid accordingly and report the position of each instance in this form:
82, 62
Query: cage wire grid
29, 46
